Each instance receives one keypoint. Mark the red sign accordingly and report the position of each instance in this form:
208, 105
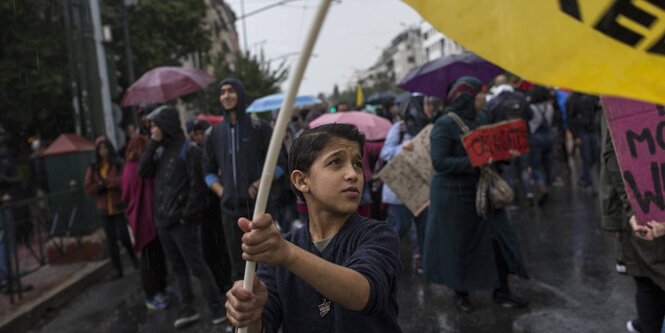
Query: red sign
495, 142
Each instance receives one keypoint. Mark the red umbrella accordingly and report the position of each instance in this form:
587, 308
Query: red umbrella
163, 84
374, 127
212, 119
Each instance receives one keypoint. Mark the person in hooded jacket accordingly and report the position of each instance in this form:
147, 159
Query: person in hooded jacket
232, 164
179, 199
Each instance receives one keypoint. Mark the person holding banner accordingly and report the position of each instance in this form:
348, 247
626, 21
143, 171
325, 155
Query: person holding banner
338, 273
640, 253
463, 250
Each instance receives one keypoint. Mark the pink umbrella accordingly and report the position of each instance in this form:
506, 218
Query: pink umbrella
163, 84
374, 127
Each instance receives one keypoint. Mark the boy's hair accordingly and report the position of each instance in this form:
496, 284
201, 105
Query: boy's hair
307, 147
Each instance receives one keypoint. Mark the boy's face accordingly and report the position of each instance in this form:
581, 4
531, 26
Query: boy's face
335, 180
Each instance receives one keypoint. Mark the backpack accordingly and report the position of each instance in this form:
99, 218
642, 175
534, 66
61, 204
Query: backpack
507, 106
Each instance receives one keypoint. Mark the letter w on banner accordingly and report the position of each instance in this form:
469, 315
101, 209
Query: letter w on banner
638, 134
607, 47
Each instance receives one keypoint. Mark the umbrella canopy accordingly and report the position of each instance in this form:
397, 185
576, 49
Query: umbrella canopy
380, 98
163, 84
374, 127
212, 119
274, 102
434, 77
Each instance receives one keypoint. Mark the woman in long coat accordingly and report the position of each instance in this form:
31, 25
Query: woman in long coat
463, 250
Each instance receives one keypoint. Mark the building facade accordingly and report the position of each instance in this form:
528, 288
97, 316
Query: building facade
436, 44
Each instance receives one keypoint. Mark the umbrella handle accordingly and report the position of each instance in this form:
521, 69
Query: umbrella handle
280, 130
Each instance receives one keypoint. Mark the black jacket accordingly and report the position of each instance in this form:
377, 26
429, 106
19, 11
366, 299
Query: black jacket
237, 153
584, 113
175, 165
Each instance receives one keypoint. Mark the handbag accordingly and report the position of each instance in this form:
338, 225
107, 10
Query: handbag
490, 185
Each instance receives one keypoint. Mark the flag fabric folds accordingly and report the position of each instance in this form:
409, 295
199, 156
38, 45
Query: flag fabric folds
607, 47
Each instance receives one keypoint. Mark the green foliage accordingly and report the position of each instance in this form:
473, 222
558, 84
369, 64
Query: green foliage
34, 85
162, 33
255, 73
381, 82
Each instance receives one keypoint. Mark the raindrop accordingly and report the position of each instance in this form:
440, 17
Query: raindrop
37, 57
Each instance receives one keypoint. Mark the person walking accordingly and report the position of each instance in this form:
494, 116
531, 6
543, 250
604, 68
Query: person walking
103, 179
537, 176
463, 250
179, 201
137, 194
236, 150
584, 119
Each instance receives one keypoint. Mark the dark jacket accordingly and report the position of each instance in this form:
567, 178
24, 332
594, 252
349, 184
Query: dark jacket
641, 258
507, 106
174, 163
365, 245
236, 153
584, 113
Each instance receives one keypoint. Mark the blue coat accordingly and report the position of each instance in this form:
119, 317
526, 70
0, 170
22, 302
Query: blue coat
458, 249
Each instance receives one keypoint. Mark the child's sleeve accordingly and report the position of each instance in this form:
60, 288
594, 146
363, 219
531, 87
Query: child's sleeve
272, 315
377, 259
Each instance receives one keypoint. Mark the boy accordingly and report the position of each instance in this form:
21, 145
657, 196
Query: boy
338, 273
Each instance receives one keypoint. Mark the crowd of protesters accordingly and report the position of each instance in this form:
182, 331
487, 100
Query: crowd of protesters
187, 200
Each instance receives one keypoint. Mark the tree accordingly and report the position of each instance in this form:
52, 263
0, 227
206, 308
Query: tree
162, 33
34, 86
255, 73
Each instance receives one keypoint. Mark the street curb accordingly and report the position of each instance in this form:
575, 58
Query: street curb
25, 317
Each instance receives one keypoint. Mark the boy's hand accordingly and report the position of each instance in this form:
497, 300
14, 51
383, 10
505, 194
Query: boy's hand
262, 242
244, 307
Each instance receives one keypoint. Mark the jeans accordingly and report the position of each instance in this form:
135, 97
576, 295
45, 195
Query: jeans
182, 246
401, 218
233, 237
590, 156
541, 147
115, 228
650, 302
153, 268
7, 244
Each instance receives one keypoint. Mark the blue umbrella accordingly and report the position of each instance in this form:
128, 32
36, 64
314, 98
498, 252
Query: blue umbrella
274, 102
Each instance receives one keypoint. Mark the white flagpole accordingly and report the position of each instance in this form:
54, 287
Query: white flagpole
279, 130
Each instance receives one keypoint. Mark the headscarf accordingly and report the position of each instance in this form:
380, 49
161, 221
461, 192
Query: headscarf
462, 96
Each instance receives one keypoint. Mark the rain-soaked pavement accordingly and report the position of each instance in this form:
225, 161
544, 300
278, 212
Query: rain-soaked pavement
573, 288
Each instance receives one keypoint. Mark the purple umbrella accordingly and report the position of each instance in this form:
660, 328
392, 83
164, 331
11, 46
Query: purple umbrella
163, 84
434, 77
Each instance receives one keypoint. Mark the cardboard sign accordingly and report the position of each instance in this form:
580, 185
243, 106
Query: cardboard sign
409, 173
638, 133
495, 142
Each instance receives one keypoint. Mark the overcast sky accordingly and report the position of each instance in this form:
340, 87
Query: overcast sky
352, 37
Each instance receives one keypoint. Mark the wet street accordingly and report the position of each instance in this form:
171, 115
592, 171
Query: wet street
573, 286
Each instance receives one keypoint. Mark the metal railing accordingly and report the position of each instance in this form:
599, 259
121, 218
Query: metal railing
26, 226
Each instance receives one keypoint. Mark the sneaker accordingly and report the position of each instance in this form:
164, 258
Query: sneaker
634, 326
186, 316
156, 303
169, 295
418, 263
509, 300
218, 316
464, 304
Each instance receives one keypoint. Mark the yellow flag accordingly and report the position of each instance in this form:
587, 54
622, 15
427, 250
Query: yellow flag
610, 47
360, 96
